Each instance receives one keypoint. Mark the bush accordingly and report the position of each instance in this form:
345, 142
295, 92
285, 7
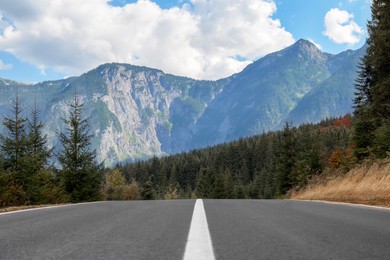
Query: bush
132, 191
46, 189
11, 192
114, 186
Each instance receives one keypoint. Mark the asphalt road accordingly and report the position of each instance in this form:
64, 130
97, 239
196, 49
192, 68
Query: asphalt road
239, 229
105, 230
282, 229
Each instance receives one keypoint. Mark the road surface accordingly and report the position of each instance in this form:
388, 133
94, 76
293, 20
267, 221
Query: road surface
239, 229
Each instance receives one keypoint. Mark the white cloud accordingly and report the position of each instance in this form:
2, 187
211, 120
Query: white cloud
341, 28
4, 66
197, 40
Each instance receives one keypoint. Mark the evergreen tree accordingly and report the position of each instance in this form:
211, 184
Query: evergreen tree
286, 160
38, 152
205, 183
223, 186
36, 160
363, 83
80, 173
1, 162
372, 97
147, 192
379, 57
13, 143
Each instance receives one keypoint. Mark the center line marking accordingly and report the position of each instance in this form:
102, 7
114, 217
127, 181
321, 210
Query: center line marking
199, 244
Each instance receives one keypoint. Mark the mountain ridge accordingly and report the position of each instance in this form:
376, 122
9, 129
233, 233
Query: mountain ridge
139, 112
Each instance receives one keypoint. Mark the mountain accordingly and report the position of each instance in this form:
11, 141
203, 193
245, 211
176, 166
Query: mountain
137, 112
332, 97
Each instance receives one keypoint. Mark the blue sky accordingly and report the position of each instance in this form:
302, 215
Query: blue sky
51, 39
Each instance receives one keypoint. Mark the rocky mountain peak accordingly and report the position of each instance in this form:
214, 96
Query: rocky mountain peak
307, 49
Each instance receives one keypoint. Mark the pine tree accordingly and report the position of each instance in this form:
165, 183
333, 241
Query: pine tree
13, 143
286, 160
80, 173
372, 96
147, 192
379, 57
38, 152
223, 187
363, 96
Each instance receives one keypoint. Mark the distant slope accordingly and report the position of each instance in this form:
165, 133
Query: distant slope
298, 84
333, 97
137, 112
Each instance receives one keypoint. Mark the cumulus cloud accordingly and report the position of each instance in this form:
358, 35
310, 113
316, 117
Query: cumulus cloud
200, 39
341, 28
4, 66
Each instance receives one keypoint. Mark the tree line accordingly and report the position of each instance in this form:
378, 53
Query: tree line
264, 166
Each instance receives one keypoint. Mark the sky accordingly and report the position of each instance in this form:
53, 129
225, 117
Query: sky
44, 40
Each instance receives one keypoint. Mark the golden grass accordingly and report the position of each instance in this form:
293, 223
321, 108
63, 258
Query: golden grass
368, 183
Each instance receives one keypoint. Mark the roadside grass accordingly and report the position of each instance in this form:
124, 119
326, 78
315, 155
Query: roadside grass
368, 183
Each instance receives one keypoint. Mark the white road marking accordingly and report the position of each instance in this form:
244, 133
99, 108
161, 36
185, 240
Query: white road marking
347, 204
199, 244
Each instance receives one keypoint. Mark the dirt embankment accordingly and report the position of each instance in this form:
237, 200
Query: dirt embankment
368, 183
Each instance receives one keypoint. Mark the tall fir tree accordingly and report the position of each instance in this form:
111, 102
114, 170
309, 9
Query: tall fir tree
38, 152
372, 96
13, 143
80, 174
379, 57
363, 83
285, 178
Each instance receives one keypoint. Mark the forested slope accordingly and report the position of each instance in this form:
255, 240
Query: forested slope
264, 166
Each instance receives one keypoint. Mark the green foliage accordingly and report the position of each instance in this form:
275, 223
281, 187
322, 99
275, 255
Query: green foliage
114, 186
286, 155
382, 139
223, 188
205, 184
24, 156
147, 192
12, 192
14, 141
38, 154
45, 188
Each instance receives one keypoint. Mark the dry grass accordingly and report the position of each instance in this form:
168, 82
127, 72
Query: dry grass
368, 183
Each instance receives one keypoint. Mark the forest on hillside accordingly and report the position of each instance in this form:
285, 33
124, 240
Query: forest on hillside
264, 166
